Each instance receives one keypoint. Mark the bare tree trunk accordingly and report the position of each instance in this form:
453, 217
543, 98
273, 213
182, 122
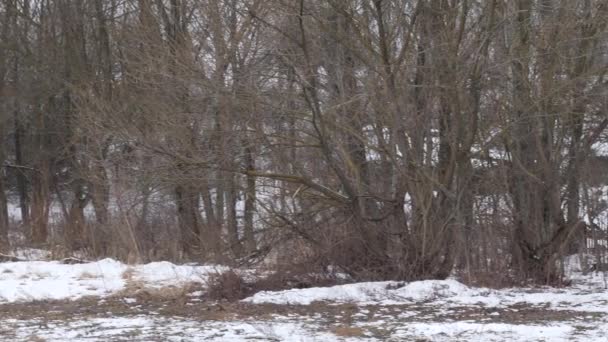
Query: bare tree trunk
211, 234
75, 72
250, 198
231, 218
40, 203
524, 187
22, 183
100, 187
188, 218
4, 221
100, 193
74, 232
577, 153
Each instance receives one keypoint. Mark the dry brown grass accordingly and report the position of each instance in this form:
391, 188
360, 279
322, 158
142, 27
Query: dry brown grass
228, 286
135, 288
231, 286
128, 274
87, 275
176, 294
132, 285
59, 252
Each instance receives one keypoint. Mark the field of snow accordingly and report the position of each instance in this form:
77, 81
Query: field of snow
49, 301
589, 295
150, 328
51, 280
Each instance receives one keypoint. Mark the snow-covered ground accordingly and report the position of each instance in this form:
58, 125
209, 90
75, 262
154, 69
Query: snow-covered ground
587, 294
147, 328
51, 280
378, 311
586, 302
151, 328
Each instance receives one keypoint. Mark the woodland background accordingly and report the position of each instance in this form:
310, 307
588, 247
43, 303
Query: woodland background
390, 139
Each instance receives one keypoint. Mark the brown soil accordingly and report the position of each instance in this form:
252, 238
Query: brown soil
195, 308
345, 320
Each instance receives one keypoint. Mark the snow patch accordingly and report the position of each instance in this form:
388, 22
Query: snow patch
588, 293
385, 293
485, 332
163, 273
44, 280
147, 328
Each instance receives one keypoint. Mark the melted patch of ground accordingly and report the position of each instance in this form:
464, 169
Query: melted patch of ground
345, 321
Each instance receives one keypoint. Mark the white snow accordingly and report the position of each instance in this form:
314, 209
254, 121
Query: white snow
41, 280
146, 328
589, 294
399, 311
163, 273
385, 293
461, 331
282, 328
